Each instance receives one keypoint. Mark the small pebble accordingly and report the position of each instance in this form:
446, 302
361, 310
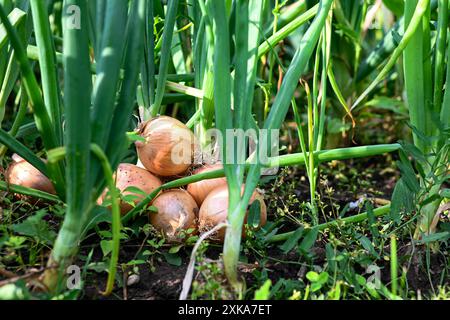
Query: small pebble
133, 279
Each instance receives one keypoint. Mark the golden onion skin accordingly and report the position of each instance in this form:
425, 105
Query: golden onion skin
22, 173
214, 210
169, 147
177, 211
199, 190
130, 175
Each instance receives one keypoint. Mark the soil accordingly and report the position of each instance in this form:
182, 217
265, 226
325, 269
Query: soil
162, 284
165, 282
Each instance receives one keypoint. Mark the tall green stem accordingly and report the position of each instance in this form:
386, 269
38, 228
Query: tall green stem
169, 26
48, 65
77, 79
419, 91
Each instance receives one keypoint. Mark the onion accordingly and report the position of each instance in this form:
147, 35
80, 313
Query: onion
177, 211
129, 175
22, 173
199, 190
169, 147
214, 210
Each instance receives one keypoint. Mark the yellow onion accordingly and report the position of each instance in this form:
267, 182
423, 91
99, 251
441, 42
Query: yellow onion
199, 190
214, 211
177, 211
129, 175
22, 173
169, 146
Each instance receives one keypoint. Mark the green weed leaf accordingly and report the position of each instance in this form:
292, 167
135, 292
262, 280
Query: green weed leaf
309, 240
172, 258
36, 227
292, 241
263, 293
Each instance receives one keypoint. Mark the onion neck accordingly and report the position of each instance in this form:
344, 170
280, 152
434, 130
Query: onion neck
232, 245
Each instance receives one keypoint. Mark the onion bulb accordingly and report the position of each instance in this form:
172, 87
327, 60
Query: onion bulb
169, 146
214, 211
129, 175
177, 211
22, 173
199, 190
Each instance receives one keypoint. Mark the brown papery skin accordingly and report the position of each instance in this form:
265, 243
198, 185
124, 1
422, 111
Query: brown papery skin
22, 173
199, 190
169, 147
214, 210
177, 211
129, 175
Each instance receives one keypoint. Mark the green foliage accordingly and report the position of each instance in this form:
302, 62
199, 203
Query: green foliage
263, 293
292, 241
74, 95
35, 226
14, 291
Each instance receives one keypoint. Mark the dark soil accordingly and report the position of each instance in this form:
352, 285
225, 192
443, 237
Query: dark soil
165, 282
162, 284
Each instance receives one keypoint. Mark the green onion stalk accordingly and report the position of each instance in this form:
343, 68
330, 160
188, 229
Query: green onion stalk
97, 111
427, 101
42, 118
77, 136
424, 90
244, 80
169, 25
10, 71
203, 59
225, 123
86, 159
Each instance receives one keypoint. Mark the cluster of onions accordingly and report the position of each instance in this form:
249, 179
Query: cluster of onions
212, 197
21, 173
168, 151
